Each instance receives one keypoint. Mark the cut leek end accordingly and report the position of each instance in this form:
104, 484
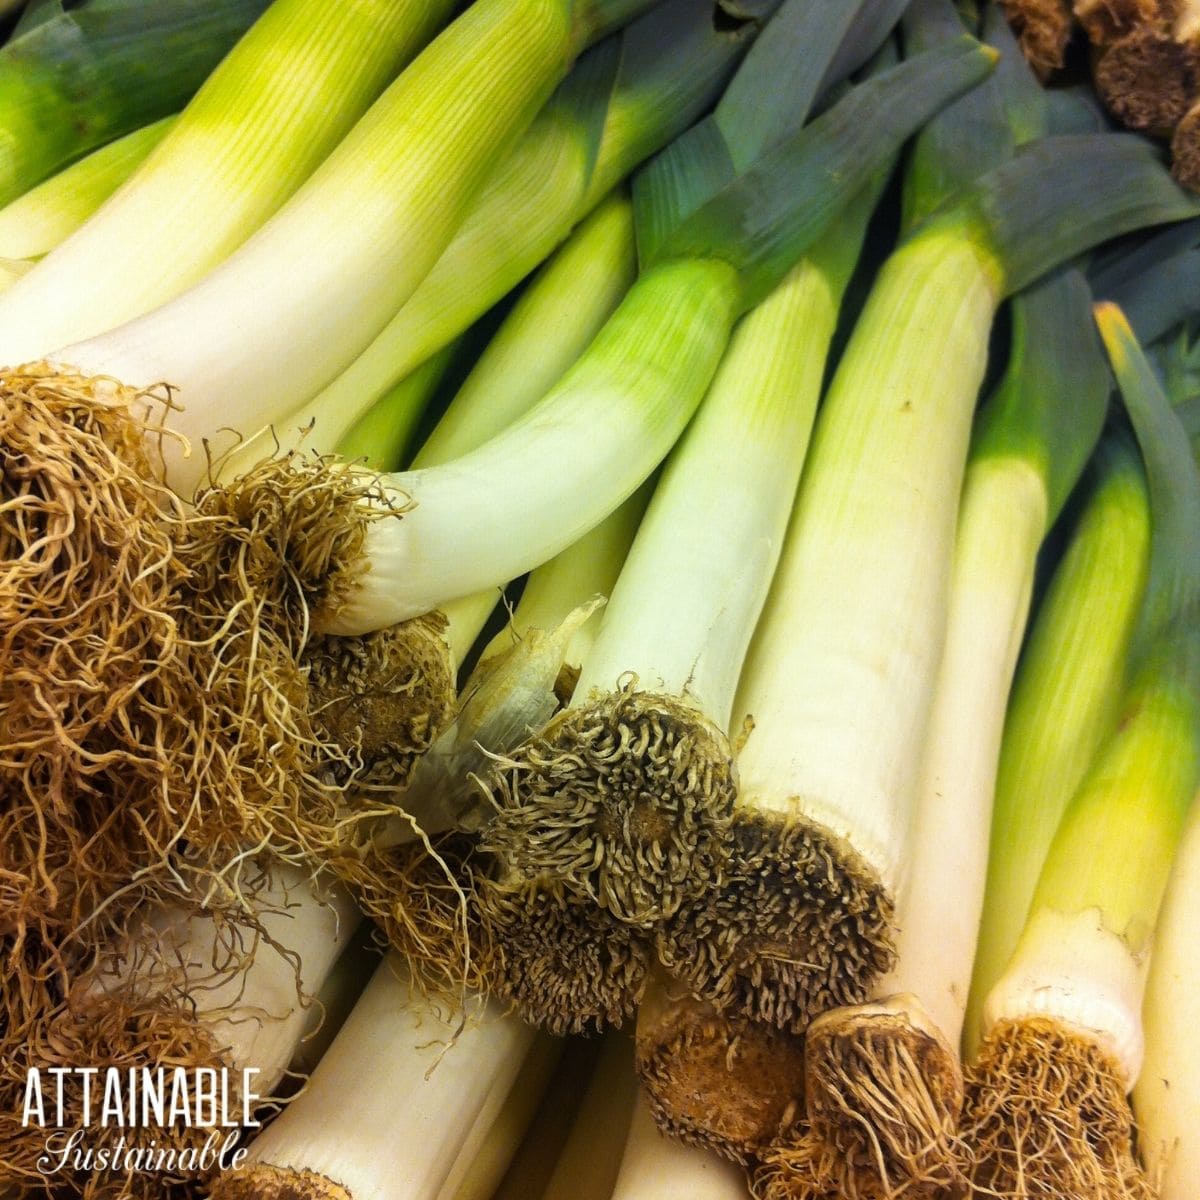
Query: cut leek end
884, 1092
1117, 333
727, 1085
262, 1181
1046, 1115
800, 924
566, 965
383, 697
1043, 31
314, 514
625, 799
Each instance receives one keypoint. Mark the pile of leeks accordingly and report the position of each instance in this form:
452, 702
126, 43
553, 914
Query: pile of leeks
529, 517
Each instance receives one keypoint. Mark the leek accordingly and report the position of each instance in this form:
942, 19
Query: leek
647, 825
624, 101
77, 77
581, 819
401, 182
400, 1071
1046, 1108
884, 1078
283, 98
1064, 700
884, 1083
35, 223
1167, 1095
532, 489
805, 919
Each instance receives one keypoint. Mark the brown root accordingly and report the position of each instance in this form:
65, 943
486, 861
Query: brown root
1107, 21
1043, 29
625, 800
1047, 1116
382, 698
1147, 79
101, 1032
422, 895
262, 1181
97, 690
1185, 150
728, 1085
883, 1098
565, 964
799, 926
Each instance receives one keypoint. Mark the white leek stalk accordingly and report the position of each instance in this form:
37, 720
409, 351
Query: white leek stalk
549, 327
535, 1160
35, 223
1167, 1096
589, 1159
839, 682
481, 1167
884, 1082
654, 1167
389, 1107
1046, 1107
620, 800
383, 205
279, 102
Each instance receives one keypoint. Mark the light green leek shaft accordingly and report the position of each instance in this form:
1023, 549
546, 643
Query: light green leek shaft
386, 202
80, 75
37, 222
559, 171
1064, 701
264, 120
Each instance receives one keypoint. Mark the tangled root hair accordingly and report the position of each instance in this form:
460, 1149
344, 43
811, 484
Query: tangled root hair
1047, 1116
625, 799
800, 925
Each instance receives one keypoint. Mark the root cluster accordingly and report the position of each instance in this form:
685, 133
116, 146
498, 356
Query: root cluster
799, 926
1046, 1116
625, 800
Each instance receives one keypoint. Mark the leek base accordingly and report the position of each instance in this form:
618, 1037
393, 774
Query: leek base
728, 1085
625, 799
565, 964
800, 925
1046, 1115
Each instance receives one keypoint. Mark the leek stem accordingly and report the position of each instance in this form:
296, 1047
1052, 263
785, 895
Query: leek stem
283, 98
1074, 985
1064, 700
398, 1071
401, 182
624, 101
37, 222
84, 75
